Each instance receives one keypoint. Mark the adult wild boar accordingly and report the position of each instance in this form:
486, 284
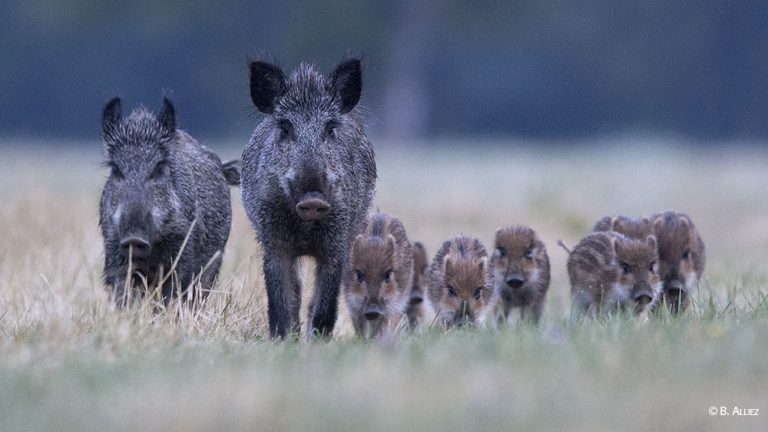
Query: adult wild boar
161, 182
308, 180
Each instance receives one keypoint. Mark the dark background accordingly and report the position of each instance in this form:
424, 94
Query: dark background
554, 69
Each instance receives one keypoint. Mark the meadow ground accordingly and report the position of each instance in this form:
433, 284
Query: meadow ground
70, 362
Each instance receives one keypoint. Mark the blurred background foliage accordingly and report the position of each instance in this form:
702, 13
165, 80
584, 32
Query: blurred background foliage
529, 68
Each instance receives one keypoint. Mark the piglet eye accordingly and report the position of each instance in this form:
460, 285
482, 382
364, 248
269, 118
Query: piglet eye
502, 251
451, 291
478, 292
686, 255
626, 268
358, 275
529, 254
388, 276
652, 268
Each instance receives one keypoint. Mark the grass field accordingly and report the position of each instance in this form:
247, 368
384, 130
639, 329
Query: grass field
70, 362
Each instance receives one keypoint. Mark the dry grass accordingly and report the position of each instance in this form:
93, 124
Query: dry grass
69, 361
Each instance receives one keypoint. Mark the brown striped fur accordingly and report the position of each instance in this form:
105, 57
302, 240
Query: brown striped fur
378, 279
636, 228
520, 267
609, 272
682, 257
415, 309
460, 282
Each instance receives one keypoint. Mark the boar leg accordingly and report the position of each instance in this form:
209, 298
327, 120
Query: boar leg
325, 299
296, 296
278, 270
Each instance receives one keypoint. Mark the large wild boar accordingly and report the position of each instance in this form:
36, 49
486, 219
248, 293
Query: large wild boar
161, 182
308, 180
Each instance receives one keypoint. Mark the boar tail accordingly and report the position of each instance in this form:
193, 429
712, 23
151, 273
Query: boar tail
231, 172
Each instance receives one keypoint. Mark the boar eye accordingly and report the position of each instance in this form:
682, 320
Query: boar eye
161, 170
330, 129
388, 276
686, 254
359, 275
478, 292
285, 127
116, 173
626, 268
653, 266
502, 252
529, 254
451, 291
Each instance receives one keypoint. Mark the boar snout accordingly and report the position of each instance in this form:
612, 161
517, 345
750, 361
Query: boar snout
135, 230
416, 298
643, 296
373, 312
673, 285
643, 299
465, 315
312, 206
140, 246
515, 281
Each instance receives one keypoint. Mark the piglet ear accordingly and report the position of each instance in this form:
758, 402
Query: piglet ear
651, 240
498, 234
267, 85
111, 116
447, 264
357, 245
614, 223
167, 116
391, 244
347, 84
615, 245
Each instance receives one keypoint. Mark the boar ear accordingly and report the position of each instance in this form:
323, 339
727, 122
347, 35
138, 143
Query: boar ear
651, 241
347, 84
267, 84
167, 116
111, 116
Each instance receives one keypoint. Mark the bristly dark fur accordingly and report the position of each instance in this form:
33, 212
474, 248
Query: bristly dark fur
161, 181
310, 141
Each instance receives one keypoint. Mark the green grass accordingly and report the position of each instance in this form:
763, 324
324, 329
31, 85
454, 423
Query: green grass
69, 361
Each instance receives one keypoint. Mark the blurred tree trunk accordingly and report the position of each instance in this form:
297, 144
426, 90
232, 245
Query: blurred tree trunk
406, 81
